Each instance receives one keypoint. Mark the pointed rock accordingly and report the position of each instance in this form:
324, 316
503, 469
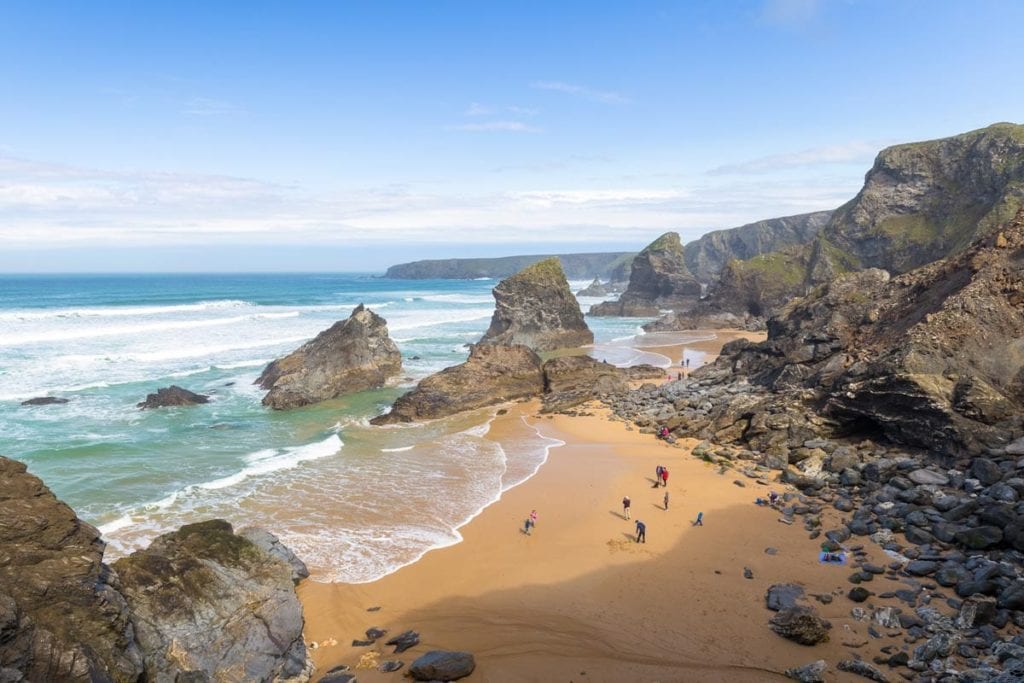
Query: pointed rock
659, 279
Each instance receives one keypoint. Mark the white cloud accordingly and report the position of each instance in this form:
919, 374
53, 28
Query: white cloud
791, 13
607, 97
477, 109
507, 126
851, 152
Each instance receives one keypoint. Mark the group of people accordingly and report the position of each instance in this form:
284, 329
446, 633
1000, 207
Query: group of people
660, 476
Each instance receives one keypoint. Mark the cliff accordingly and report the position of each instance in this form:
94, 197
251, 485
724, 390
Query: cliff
536, 308
608, 266
658, 279
352, 355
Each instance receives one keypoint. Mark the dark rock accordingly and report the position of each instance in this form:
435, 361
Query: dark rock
862, 669
390, 665
783, 595
1012, 597
980, 537
338, 674
492, 374
801, 625
976, 612
921, 567
172, 396
352, 355
928, 477
362, 643
62, 614
985, 471
403, 641
859, 594
748, 573
441, 665
809, 673
44, 401
205, 599
376, 633
535, 308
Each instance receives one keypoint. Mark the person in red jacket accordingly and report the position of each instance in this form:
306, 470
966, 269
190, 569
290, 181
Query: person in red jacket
664, 476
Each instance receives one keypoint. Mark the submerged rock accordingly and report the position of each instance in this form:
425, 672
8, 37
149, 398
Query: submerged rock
492, 374
352, 355
204, 599
536, 308
172, 396
44, 401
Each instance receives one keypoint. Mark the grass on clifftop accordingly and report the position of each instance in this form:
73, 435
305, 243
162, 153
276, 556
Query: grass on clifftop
550, 269
774, 268
668, 241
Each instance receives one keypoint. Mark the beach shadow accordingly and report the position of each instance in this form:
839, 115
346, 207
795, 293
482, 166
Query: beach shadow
615, 513
657, 506
653, 482
629, 537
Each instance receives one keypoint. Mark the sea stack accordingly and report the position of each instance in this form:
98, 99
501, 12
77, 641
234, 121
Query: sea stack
352, 355
659, 279
493, 374
536, 308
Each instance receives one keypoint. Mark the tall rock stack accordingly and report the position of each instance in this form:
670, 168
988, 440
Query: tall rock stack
352, 355
536, 308
659, 280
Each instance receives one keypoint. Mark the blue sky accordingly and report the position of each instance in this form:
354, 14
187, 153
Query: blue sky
352, 135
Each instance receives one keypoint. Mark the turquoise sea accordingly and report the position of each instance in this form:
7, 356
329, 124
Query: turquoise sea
355, 501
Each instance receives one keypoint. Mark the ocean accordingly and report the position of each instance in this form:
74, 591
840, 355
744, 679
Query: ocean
355, 502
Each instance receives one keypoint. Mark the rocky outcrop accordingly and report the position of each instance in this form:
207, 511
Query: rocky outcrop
572, 380
62, 616
271, 544
705, 318
211, 604
492, 374
44, 401
595, 288
172, 396
658, 280
707, 256
612, 266
352, 355
536, 308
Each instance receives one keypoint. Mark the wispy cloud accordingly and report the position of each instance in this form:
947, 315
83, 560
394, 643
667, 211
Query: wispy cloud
605, 96
206, 106
791, 13
477, 109
505, 126
852, 152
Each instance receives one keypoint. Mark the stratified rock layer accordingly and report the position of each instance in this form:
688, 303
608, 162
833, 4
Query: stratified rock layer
536, 308
492, 374
658, 280
206, 600
352, 355
62, 617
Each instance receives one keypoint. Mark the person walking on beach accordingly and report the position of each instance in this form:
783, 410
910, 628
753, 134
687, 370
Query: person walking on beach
700, 519
664, 476
641, 532
657, 475
687, 362
625, 506
666, 500
531, 522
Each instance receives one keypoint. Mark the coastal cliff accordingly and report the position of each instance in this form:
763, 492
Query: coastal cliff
658, 279
609, 266
536, 308
352, 355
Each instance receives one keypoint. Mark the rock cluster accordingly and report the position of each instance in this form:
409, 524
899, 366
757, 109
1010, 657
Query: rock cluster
595, 288
658, 280
172, 396
536, 308
352, 355
199, 604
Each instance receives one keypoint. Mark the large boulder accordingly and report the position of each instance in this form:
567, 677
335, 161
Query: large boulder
801, 625
352, 355
207, 602
492, 374
442, 665
658, 280
172, 396
536, 308
62, 617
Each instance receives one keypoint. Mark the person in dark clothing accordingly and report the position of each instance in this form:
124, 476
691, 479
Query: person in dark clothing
687, 362
641, 532
666, 500
657, 476
625, 506
700, 519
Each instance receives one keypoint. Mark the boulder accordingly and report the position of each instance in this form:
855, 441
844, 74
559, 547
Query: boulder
442, 665
62, 615
801, 625
783, 595
206, 600
44, 401
270, 544
809, 673
658, 280
352, 355
536, 308
172, 396
862, 669
492, 374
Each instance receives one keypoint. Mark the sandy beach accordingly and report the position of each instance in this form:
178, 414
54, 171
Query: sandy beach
579, 599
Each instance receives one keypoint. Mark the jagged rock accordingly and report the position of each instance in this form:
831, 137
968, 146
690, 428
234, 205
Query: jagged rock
441, 665
595, 288
492, 374
390, 665
204, 599
339, 674
863, 669
172, 396
44, 401
572, 380
403, 641
272, 545
809, 673
658, 280
62, 615
536, 308
801, 625
351, 355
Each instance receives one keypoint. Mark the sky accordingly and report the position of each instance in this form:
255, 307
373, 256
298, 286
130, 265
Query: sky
341, 136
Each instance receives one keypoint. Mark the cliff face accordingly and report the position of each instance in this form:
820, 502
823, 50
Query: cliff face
658, 279
707, 256
352, 355
536, 308
609, 266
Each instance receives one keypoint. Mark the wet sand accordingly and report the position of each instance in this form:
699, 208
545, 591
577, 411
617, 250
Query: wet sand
579, 599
